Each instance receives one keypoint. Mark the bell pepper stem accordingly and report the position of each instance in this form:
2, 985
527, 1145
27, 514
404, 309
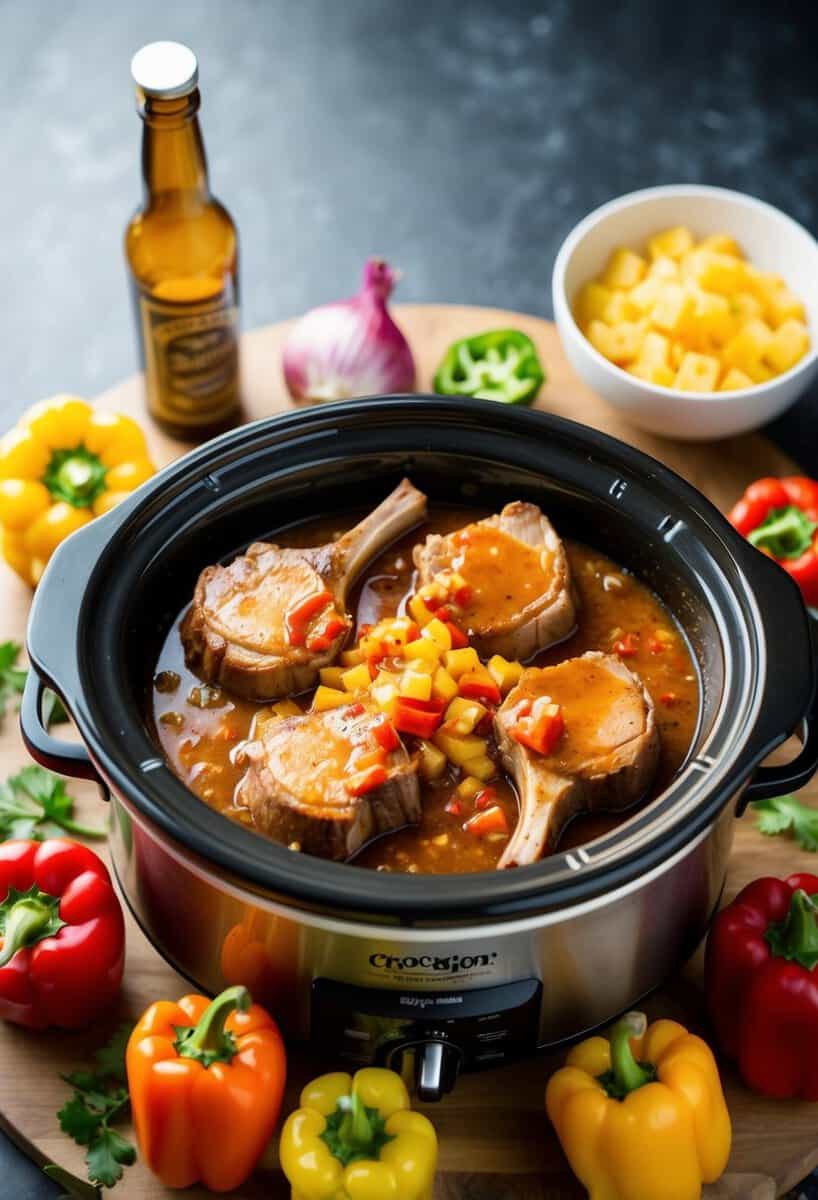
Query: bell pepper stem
627, 1072
355, 1128
796, 937
208, 1040
28, 920
786, 533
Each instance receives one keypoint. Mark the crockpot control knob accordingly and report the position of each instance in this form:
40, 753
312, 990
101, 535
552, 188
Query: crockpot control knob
436, 1067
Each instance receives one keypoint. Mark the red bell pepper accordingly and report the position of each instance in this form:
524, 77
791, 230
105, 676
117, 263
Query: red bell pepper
780, 517
63, 937
297, 619
421, 718
539, 727
761, 979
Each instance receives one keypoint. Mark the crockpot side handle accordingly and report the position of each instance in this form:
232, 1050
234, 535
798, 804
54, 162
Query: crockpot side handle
791, 698
66, 758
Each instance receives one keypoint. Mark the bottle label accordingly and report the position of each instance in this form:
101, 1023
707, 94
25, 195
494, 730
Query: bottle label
191, 358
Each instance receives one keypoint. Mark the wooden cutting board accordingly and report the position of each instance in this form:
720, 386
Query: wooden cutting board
496, 1143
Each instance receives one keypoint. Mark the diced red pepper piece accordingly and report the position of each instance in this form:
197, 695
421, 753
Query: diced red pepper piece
433, 602
479, 685
492, 820
540, 732
627, 645
454, 807
459, 639
656, 646
462, 595
668, 698
386, 734
356, 709
365, 781
421, 718
443, 613
326, 634
297, 618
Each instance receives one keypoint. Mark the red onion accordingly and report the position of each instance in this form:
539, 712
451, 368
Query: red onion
350, 348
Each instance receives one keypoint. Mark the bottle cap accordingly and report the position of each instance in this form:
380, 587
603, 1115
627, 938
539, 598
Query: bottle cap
165, 70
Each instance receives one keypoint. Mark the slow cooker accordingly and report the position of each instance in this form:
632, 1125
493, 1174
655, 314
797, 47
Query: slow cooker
430, 973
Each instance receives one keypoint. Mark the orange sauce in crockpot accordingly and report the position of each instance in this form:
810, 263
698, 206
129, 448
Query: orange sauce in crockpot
199, 726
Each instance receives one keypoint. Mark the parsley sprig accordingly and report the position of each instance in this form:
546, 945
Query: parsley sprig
100, 1098
785, 813
13, 680
34, 804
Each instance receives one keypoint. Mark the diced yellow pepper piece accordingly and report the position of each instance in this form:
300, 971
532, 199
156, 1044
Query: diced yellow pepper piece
460, 750
385, 695
444, 687
788, 344
624, 270
357, 679
416, 686
285, 708
431, 761
437, 633
327, 697
697, 373
591, 303
483, 768
419, 611
735, 379
504, 673
671, 243
423, 650
333, 677
458, 662
351, 658
469, 787
462, 716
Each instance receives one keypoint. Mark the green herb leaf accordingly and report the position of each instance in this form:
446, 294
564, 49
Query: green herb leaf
784, 813
12, 677
34, 804
107, 1155
100, 1099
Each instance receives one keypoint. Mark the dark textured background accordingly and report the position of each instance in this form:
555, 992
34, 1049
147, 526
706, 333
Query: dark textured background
462, 140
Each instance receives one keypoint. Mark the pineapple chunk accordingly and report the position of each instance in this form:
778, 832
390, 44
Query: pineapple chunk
285, 708
591, 303
423, 650
788, 344
415, 685
460, 750
385, 695
697, 373
463, 716
437, 633
744, 306
356, 679
712, 318
504, 673
715, 272
444, 687
722, 243
677, 353
482, 767
748, 347
624, 270
655, 349
469, 787
644, 296
619, 343
327, 697
458, 662
351, 658
735, 379
333, 677
671, 243
431, 762
665, 270
784, 306
656, 373
673, 308
619, 308
419, 611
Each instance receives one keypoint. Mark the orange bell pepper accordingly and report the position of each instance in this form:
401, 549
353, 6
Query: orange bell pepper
206, 1081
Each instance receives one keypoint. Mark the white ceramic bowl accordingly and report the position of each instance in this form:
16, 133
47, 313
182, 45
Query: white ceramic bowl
771, 240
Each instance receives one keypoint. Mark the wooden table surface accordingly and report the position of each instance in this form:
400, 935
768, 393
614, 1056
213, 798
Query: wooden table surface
496, 1143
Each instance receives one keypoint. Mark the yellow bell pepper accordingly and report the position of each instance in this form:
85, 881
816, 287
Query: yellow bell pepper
357, 1139
641, 1116
64, 464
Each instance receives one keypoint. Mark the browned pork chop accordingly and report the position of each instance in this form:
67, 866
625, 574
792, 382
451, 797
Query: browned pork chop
240, 630
517, 575
605, 759
303, 774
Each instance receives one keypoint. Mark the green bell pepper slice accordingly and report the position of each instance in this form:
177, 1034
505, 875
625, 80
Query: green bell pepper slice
499, 365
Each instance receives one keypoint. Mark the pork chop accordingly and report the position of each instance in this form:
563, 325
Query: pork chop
264, 626
518, 596
304, 775
605, 758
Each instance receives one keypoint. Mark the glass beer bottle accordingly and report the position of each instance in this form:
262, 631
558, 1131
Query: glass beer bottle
182, 251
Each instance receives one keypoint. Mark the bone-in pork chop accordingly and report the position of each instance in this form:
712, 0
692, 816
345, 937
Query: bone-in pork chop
264, 626
603, 756
517, 598
328, 781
